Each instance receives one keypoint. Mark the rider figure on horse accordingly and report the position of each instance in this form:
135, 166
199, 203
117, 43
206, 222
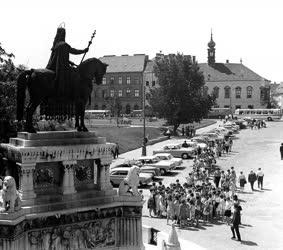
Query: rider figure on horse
59, 62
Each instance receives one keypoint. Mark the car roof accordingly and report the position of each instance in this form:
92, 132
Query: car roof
120, 169
147, 157
163, 154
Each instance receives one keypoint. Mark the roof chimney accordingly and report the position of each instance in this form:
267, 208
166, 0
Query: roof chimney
227, 61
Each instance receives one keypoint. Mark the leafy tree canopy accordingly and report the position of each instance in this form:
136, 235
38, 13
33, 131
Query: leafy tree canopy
181, 97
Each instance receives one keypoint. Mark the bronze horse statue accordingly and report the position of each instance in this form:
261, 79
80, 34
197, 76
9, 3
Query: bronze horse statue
41, 85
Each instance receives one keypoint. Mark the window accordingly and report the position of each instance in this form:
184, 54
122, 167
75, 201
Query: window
137, 93
104, 80
137, 80
250, 106
216, 92
147, 83
120, 93
262, 94
226, 106
153, 83
112, 92
237, 106
238, 92
216, 106
249, 92
96, 107
227, 91
128, 80
103, 106
147, 96
111, 80
128, 92
136, 107
120, 80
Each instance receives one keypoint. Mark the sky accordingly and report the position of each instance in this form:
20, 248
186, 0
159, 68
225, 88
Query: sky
250, 30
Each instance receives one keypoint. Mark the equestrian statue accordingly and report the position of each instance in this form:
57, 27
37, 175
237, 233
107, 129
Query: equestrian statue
60, 82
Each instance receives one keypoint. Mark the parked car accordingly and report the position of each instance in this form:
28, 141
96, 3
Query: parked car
143, 169
164, 166
118, 174
170, 158
177, 151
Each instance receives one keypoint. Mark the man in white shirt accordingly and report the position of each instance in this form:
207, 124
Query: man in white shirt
260, 175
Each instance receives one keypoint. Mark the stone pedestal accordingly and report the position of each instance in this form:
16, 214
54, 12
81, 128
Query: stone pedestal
68, 201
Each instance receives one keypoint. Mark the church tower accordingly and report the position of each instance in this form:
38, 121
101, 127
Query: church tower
211, 51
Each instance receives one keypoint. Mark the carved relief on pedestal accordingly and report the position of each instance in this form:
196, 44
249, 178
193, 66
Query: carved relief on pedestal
89, 235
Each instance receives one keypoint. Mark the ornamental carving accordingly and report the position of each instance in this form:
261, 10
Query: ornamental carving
99, 233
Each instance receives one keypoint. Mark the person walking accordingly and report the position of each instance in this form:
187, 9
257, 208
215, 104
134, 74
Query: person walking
281, 151
252, 178
242, 181
260, 175
236, 222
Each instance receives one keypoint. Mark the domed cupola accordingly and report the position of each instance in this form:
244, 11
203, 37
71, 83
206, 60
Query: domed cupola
211, 51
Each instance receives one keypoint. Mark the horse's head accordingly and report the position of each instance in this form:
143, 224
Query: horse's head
93, 68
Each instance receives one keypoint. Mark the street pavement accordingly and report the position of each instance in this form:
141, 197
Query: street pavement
262, 214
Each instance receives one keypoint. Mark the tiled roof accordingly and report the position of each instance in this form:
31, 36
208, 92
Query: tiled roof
228, 72
125, 63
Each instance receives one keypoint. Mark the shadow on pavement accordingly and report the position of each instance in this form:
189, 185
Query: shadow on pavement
257, 190
245, 225
172, 173
248, 243
180, 168
267, 189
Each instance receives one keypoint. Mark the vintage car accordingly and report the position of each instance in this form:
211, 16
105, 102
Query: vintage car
118, 174
164, 166
177, 150
143, 169
170, 158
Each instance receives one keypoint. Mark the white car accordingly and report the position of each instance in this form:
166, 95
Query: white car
164, 166
119, 174
177, 151
170, 158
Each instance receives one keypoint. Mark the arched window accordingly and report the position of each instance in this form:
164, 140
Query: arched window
227, 92
128, 109
136, 107
238, 92
249, 92
215, 92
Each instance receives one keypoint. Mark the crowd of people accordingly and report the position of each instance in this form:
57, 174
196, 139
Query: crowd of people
209, 194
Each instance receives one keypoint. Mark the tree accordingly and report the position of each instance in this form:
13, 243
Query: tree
8, 76
181, 97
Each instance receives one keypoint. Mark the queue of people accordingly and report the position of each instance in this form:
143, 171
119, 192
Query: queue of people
204, 196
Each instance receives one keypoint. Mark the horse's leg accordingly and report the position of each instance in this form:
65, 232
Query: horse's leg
30, 110
82, 114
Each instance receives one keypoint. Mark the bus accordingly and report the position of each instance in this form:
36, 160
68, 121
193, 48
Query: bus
216, 113
97, 114
262, 114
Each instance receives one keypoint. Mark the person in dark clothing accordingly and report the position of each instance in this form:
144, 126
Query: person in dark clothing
217, 176
116, 151
281, 151
236, 222
185, 144
252, 178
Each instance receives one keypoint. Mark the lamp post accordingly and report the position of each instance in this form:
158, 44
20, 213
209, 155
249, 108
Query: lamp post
144, 136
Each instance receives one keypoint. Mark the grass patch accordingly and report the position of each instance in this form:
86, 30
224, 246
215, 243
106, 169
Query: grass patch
128, 138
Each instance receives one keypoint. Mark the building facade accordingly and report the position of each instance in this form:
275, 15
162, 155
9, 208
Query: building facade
122, 84
234, 84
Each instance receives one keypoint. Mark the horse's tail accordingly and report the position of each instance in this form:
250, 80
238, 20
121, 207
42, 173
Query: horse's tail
22, 82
